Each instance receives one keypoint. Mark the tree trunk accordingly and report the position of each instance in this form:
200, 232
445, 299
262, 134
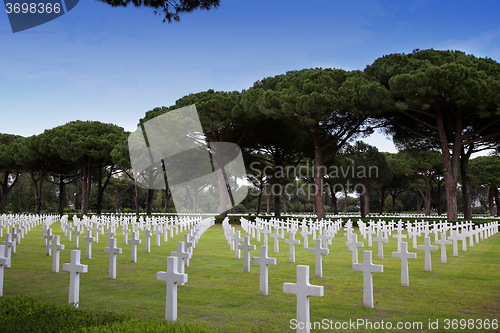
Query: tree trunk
62, 194
259, 198
334, 200
284, 202
497, 201
491, 194
345, 200
223, 188
381, 197
268, 198
168, 195
6, 189
450, 163
464, 173
418, 203
318, 176
37, 191
314, 204
149, 209
366, 200
100, 190
85, 181
136, 197
393, 204
277, 200
438, 199
3, 202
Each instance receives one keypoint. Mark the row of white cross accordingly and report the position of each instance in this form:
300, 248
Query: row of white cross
176, 262
322, 231
303, 289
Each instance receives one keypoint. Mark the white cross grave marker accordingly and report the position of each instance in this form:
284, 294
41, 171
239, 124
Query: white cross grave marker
134, 241
367, 267
303, 289
113, 251
48, 240
77, 233
381, 240
57, 247
89, 239
3, 262
292, 241
319, 252
246, 247
455, 238
182, 256
237, 240
404, 255
353, 244
399, 236
172, 277
8, 243
443, 242
263, 261
148, 235
74, 268
276, 237
427, 247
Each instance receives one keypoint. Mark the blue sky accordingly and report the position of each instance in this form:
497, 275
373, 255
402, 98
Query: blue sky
114, 64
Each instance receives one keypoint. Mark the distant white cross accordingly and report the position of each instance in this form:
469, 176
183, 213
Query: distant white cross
246, 247
353, 244
367, 267
319, 252
427, 247
263, 261
443, 242
292, 241
404, 255
56, 247
113, 251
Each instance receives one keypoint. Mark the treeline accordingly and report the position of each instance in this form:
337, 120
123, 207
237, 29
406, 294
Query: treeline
439, 107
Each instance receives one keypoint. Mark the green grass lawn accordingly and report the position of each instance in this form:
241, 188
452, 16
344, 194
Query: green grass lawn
219, 295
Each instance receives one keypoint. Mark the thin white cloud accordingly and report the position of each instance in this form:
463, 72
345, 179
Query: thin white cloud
482, 43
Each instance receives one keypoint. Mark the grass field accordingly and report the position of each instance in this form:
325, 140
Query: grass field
219, 295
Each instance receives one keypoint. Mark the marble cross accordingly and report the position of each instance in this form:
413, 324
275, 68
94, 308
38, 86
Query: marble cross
353, 244
367, 267
89, 239
3, 262
172, 277
303, 290
113, 251
292, 241
404, 255
443, 242
381, 240
319, 252
263, 261
427, 247
134, 241
56, 247
74, 268
246, 247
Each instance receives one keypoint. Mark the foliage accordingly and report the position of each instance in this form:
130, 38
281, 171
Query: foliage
441, 99
171, 9
25, 314
388, 205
